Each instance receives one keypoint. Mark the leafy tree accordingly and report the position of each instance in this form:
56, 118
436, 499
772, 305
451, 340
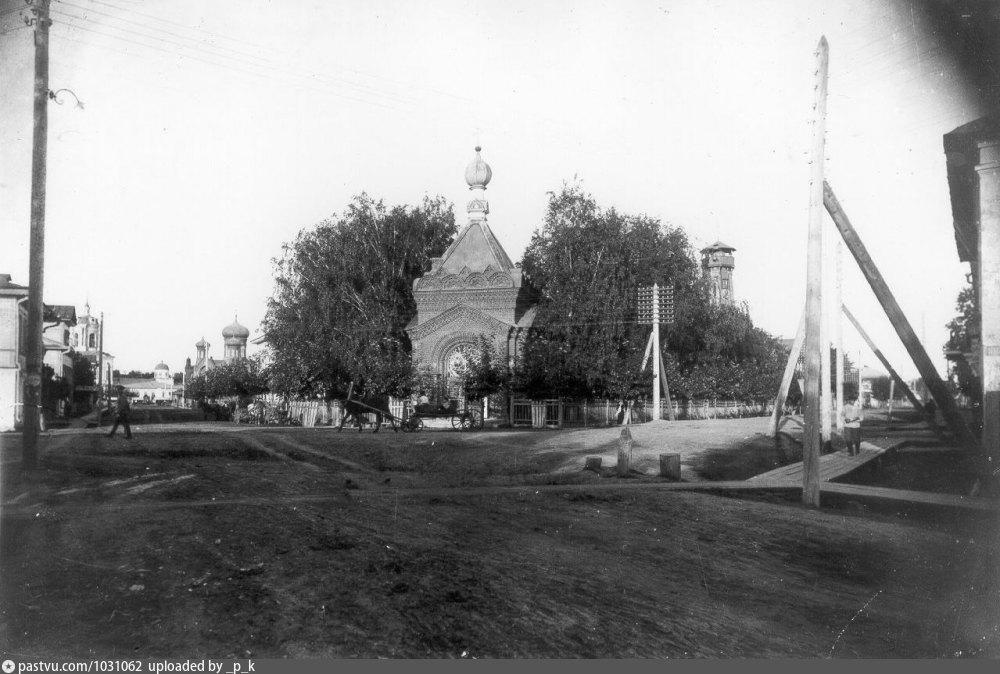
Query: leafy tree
344, 295
244, 378
83, 372
486, 371
587, 264
960, 337
880, 388
54, 388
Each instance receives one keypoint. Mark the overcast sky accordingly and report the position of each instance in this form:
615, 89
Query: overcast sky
213, 132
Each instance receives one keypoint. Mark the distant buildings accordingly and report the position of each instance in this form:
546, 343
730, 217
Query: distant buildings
13, 318
87, 339
61, 332
160, 389
234, 338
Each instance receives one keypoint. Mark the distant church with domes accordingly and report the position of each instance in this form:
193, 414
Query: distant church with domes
473, 289
234, 339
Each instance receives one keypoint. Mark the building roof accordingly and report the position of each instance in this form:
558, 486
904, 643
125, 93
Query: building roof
8, 288
476, 247
718, 245
236, 330
961, 154
65, 313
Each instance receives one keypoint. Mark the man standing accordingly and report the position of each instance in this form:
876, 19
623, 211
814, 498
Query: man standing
122, 409
853, 414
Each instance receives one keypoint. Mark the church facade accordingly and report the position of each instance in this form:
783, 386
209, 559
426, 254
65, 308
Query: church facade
234, 338
472, 291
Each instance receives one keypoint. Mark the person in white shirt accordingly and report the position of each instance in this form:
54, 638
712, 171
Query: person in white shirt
853, 413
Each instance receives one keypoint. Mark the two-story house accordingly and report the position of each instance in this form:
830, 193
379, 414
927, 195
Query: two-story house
13, 320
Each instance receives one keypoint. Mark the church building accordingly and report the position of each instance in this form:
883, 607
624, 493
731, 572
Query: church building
472, 290
234, 338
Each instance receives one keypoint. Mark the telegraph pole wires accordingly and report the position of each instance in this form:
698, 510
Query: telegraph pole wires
36, 252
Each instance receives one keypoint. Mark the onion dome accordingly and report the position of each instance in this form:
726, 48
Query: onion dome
235, 330
478, 173
162, 366
202, 344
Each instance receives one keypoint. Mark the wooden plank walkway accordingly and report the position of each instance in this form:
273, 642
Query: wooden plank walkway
831, 466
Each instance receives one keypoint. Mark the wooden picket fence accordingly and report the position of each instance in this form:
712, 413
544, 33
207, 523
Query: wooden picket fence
557, 413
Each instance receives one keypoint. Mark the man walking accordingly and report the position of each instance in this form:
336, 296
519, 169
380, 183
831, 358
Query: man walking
122, 409
853, 414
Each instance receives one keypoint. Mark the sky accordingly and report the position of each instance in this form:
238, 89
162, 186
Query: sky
213, 132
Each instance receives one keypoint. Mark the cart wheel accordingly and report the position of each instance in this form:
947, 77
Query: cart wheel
456, 421
418, 424
405, 425
466, 421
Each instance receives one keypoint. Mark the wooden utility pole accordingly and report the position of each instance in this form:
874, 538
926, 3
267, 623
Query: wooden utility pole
786, 378
656, 305
814, 280
898, 319
36, 253
656, 353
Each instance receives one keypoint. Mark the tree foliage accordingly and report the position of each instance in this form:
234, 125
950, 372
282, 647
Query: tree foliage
587, 263
343, 297
243, 377
960, 334
486, 371
83, 371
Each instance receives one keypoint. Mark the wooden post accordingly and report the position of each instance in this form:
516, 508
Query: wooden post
898, 319
666, 394
892, 394
670, 466
814, 299
885, 363
786, 378
624, 452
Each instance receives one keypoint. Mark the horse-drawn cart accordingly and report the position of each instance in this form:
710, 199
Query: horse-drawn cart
462, 419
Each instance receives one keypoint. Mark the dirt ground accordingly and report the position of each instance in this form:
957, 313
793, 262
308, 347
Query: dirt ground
203, 539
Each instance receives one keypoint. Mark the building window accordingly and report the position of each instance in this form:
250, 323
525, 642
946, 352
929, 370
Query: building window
725, 284
92, 342
65, 337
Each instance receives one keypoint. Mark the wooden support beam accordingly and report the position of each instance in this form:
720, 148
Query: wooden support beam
885, 363
898, 319
786, 378
666, 392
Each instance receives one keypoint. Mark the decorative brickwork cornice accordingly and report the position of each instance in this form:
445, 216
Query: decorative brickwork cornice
460, 314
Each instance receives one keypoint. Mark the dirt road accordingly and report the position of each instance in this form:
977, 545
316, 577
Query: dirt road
211, 540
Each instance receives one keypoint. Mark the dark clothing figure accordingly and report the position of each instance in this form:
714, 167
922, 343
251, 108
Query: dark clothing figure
121, 417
